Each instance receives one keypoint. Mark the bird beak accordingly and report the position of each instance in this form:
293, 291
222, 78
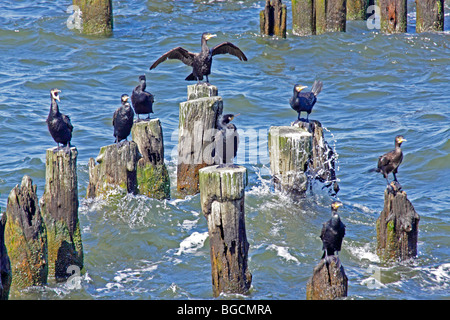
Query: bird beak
236, 115
209, 36
300, 88
403, 140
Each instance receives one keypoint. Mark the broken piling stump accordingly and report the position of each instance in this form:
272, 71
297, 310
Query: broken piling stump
5, 263
197, 126
96, 15
222, 197
116, 169
59, 209
26, 237
397, 227
393, 15
152, 175
328, 281
272, 19
429, 15
289, 149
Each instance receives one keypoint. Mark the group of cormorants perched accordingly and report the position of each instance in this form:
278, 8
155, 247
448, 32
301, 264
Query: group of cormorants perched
333, 231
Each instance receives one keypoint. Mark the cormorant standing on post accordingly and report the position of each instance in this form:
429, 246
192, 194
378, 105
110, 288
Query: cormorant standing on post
304, 101
389, 162
227, 140
59, 124
142, 100
200, 62
333, 232
123, 120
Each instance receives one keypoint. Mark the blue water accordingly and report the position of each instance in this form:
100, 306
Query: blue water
375, 87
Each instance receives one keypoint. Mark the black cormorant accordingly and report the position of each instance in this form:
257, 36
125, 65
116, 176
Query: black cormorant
333, 232
59, 124
142, 100
390, 161
123, 120
304, 101
227, 140
201, 62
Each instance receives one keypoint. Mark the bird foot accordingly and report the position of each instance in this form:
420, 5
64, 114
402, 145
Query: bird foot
394, 187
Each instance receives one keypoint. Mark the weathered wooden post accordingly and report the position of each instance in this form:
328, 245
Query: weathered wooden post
222, 195
330, 15
328, 281
96, 15
272, 19
397, 227
197, 126
116, 167
303, 17
26, 237
357, 9
59, 209
393, 15
429, 15
289, 149
152, 175
5, 263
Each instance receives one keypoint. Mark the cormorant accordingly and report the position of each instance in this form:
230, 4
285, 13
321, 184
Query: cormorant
59, 124
333, 232
142, 100
304, 101
201, 62
227, 140
123, 120
390, 161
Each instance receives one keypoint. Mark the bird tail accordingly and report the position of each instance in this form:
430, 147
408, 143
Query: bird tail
190, 77
374, 170
317, 87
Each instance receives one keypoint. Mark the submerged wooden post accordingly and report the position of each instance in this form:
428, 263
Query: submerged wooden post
5, 263
303, 17
357, 9
222, 196
197, 126
429, 15
393, 15
26, 237
116, 168
272, 19
96, 15
328, 281
59, 209
152, 175
289, 149
397, 227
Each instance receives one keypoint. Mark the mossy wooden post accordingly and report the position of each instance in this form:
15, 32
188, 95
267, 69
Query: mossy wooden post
5, 263
116, 169
357, 9
152, 175
96, 15
393, 16
328, 281
59, 209
322, 164
303, 17
429, 15
289, 150
197, 126
273, 19
222, 196
26, 237
330, 15
397, 227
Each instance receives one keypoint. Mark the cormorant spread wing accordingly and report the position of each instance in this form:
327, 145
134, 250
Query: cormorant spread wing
228, 47
177, 53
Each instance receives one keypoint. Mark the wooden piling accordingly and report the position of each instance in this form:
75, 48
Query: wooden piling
357, 9
222, 196
96, 15
116, 169
393, 15
397, 227
152, 175
59, 209
5, 263
429, 15
272, 19
26, 237
289, 150
328, 281
197, 126
303, 17
330, 16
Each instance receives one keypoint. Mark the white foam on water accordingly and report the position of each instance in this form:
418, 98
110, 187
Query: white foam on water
283, 252
192, 243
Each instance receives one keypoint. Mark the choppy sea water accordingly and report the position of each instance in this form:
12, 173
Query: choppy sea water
375, 87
